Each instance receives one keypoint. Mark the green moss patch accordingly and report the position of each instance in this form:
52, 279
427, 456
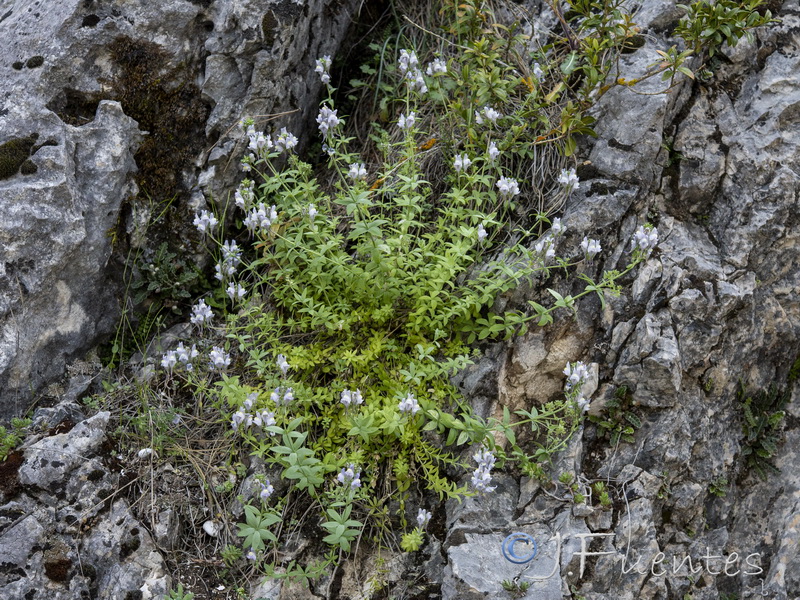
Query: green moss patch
14, 154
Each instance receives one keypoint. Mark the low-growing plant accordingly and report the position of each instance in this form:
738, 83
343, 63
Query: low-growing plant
719, 487
619, 421
179, 593
708, 25
11, 438
356, 290
762, 427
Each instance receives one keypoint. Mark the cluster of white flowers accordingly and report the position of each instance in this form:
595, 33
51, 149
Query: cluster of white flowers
645, 239
231, 257
349, 398
482, 476
545, 246
257, 220
493, 151
591, 248
349, 476
436, 67
323, 67
409, 68
569, 179
409, 405
357, 171
576, 373
244, 195
408, 61
205, 221
282, 397
266, 490
327, 120
423, 518
236, 291
285, 140
218, 358
487, 114
180, 356
201, 313
260, 419
282, 364
260, 144
462, 162
508, 187
407, 122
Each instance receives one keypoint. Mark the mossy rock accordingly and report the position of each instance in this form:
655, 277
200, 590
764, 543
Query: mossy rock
14, 154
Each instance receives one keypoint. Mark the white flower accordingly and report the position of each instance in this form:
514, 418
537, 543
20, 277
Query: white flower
416, 81
481, 233
410, 404
544, 247
201, 313
285, 140
205, 221
537, 71
462, 162
583, 403
482, 475
557, 228
251, 555
436, 67
569, 179
236, 292
144, 453
591, 248
244, 196
266, 490
491, 114
645, 239
219, 358
327, 120
408, 61
576, 373
282, 364
238, 418
407, 122
312, 212
357, 171
423, 517
478, 118
350, 475
349, 397
493, 151
185, 355
288, 396
259, 143
323, 67
169, 360
508, 187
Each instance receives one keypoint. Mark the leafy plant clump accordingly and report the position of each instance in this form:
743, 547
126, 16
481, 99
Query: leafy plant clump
619, 423
762, 427
11, 438
350, 296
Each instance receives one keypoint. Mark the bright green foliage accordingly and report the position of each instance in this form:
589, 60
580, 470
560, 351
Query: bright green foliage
602, 494
412, 541
342, 529
163, 276
256, 528
710, 24
10, 439
762, 428
179, 594
719, 487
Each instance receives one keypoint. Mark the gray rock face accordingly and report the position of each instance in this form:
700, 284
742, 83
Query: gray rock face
92, 94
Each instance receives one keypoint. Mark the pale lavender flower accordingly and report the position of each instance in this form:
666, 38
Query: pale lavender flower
266, 491
219, 358
407, 122
508, 187
312, 212
557, 228
323, 67
169, 360
350, 476
282, 364
583, 403
493, 151
423, 518
482, 475
327, 120
416, 81
462, 162
410, 404
481, 233
236, 292
201, 313
357, 171
285, 140
251, 555
591, 248
577, 374
238, 419
537, 71
205, 221
408, 61
569, 179
645, 239
436, 67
